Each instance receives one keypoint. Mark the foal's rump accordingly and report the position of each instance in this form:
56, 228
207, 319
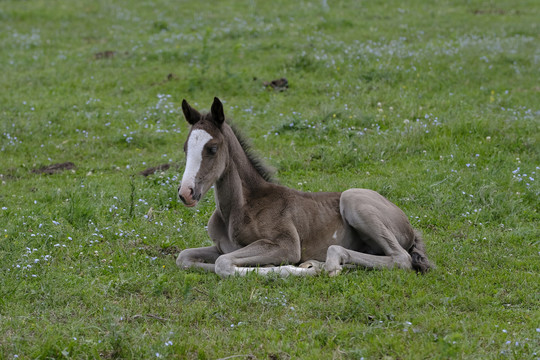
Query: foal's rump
382, 228
369, 213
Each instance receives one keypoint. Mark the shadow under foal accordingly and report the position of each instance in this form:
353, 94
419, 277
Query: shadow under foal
268, 228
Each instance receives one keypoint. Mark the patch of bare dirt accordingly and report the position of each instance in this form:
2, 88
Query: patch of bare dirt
159, 251
171, 250
54, 168
152, 170
279, 356
108, 54
169, 77
277, 84
9, 176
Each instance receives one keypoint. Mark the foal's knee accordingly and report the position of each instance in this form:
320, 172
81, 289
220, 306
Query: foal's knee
224, 266
183, 260
336, 251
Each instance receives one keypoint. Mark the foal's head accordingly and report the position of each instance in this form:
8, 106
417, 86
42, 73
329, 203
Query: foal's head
205, 151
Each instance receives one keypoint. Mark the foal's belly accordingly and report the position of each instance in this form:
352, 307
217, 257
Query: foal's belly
316, 246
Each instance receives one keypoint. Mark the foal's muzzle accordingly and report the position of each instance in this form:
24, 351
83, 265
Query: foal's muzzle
188, 196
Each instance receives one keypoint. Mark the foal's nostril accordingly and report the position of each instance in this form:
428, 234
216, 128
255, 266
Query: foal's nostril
191, 191
181, 198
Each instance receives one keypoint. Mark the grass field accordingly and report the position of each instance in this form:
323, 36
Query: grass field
436, 105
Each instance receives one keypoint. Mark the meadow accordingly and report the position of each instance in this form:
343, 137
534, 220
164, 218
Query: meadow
433, 104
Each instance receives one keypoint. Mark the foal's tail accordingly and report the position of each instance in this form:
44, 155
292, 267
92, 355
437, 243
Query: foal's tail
420, 262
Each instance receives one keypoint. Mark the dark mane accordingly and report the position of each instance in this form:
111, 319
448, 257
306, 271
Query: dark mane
263, 169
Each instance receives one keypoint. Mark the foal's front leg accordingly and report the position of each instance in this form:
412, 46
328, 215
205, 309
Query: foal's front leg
262, 253
205, 257
202, 258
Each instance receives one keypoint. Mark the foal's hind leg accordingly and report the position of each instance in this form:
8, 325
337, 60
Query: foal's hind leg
381, 224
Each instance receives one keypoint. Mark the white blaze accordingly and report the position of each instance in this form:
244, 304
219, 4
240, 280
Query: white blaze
195, 147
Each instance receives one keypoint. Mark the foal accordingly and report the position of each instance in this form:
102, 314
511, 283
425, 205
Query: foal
265, 227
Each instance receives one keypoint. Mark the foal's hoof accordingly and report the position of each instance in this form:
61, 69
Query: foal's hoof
312, 264
335, 271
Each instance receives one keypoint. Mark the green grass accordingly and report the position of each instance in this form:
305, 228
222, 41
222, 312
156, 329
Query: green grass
433, 104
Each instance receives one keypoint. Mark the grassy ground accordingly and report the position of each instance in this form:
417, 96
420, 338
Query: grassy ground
433, 104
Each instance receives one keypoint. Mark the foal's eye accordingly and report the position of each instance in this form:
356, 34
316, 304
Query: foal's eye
212, 150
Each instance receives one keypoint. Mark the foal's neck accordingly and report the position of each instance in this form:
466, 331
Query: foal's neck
240, 178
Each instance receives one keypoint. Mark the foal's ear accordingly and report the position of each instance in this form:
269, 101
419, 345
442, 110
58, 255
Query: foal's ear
217, 112
192, 115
